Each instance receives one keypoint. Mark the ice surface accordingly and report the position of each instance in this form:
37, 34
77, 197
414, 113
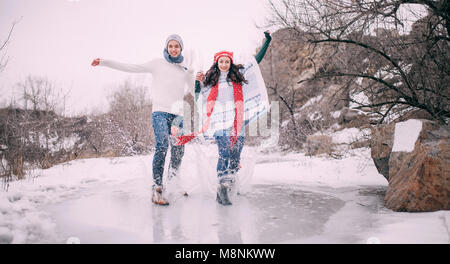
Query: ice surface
288, 199
126, 215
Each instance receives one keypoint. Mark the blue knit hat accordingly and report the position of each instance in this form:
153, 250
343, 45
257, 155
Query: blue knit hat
174, 37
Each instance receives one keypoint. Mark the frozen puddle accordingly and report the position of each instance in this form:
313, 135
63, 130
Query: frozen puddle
286, 212
266, 214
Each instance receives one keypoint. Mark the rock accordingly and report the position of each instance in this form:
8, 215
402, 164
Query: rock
415, 114
381, 143
348, 115
353, 118
419, 181
360, 144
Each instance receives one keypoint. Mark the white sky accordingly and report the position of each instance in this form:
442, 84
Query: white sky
59, 38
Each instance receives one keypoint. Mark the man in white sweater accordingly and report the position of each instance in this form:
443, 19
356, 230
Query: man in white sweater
170, 76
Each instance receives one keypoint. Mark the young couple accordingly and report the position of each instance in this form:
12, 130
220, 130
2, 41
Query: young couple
222, 83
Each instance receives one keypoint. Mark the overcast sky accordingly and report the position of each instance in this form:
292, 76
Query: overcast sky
59, 38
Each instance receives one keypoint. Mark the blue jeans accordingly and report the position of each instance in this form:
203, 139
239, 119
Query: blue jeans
229, 158
162, 122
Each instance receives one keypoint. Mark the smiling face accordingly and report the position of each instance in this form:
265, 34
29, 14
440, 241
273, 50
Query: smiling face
174, 48
224, 63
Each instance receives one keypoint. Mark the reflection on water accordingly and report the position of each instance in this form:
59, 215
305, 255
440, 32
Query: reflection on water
266, 214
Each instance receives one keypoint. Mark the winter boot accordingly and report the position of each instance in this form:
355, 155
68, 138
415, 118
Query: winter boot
224, 189
222, 195
158, 197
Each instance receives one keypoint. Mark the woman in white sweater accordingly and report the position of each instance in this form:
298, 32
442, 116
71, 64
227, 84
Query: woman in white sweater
170, 76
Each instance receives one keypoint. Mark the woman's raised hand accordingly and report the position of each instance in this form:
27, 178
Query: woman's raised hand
95, 62
199, 77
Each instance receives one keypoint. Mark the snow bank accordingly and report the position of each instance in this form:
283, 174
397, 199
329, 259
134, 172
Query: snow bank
360, 98
336, 114
357, 169
403, 228
21, 220
406, 134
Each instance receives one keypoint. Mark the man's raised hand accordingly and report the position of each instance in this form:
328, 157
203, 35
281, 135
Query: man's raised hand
95, 62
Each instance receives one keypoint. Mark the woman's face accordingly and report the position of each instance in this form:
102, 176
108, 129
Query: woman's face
174, 48
224, 63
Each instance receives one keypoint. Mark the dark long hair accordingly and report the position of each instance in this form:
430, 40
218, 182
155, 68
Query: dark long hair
234, 75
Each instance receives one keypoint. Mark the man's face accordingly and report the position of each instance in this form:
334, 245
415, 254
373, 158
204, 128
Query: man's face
174, 48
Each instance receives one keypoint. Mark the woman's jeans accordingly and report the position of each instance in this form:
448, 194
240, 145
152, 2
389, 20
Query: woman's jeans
162, 122
229, 158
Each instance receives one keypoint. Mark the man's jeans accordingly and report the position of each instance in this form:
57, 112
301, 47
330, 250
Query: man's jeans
162, 122
229, 159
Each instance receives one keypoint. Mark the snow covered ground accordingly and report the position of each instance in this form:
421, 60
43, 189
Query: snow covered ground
291, 198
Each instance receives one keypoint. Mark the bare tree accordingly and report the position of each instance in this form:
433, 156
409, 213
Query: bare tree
132, 111
13, 134
39, 93
4, 46
31, 132
394, 71
127, 128
290, 59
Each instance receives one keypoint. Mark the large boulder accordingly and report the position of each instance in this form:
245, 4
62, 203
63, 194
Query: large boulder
381, 143
419, 166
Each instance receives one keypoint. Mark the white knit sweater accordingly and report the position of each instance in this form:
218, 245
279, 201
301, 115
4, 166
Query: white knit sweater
168, 85
223, 115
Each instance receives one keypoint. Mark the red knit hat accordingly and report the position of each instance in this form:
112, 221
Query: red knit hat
219, 54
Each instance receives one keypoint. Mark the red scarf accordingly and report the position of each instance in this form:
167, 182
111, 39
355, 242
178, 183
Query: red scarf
210, 102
